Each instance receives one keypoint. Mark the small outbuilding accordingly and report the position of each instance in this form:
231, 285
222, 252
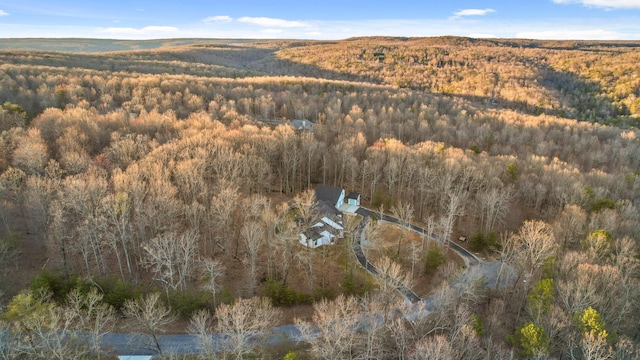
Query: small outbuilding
353, 198
301, 125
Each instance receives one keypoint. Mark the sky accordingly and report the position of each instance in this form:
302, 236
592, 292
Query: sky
321, 19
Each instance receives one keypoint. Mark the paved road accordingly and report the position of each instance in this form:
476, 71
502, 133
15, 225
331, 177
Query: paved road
134, 344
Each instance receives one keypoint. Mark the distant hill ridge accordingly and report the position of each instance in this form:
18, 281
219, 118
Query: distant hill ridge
595, 81
87, 45
84, 45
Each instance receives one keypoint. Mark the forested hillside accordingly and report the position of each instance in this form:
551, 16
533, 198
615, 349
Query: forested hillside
171, 179
593, 81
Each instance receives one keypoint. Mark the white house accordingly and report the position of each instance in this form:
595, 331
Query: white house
316, 236
324, 232
329, 227
337, 229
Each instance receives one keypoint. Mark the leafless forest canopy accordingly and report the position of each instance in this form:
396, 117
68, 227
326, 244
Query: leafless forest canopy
161, 189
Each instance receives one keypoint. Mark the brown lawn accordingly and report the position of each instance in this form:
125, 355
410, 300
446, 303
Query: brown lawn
411, 243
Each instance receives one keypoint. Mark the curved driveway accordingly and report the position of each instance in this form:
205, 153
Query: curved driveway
362, 259
466, 254
469, 257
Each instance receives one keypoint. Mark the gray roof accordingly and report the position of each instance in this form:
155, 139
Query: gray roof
326, 207
301, 124
313, 232
353, 195
330, 194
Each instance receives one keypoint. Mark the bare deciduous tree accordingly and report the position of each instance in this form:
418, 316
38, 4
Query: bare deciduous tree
31, 155
392, 279
305, 261
453, 208
76, 219
171, 257
223, 206
403, 212
9, 342
252, 235
570, 227
161, 206
286, 241
92, 315
310, 147
196, 214
494, 205
117, 212
378, 322
40, 192
8, 251
212, 270
306, 205
245, 320
537, 243
200, 326
45, 330
149, 316
59, 235
332, 334
433, 347
189, 178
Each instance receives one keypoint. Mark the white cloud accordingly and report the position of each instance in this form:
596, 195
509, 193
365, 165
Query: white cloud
160, 29
219, 18
3, 13
472, 12
271, 22
605, 4
625, 27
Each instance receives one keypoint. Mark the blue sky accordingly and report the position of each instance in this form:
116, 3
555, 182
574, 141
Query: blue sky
328, 19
